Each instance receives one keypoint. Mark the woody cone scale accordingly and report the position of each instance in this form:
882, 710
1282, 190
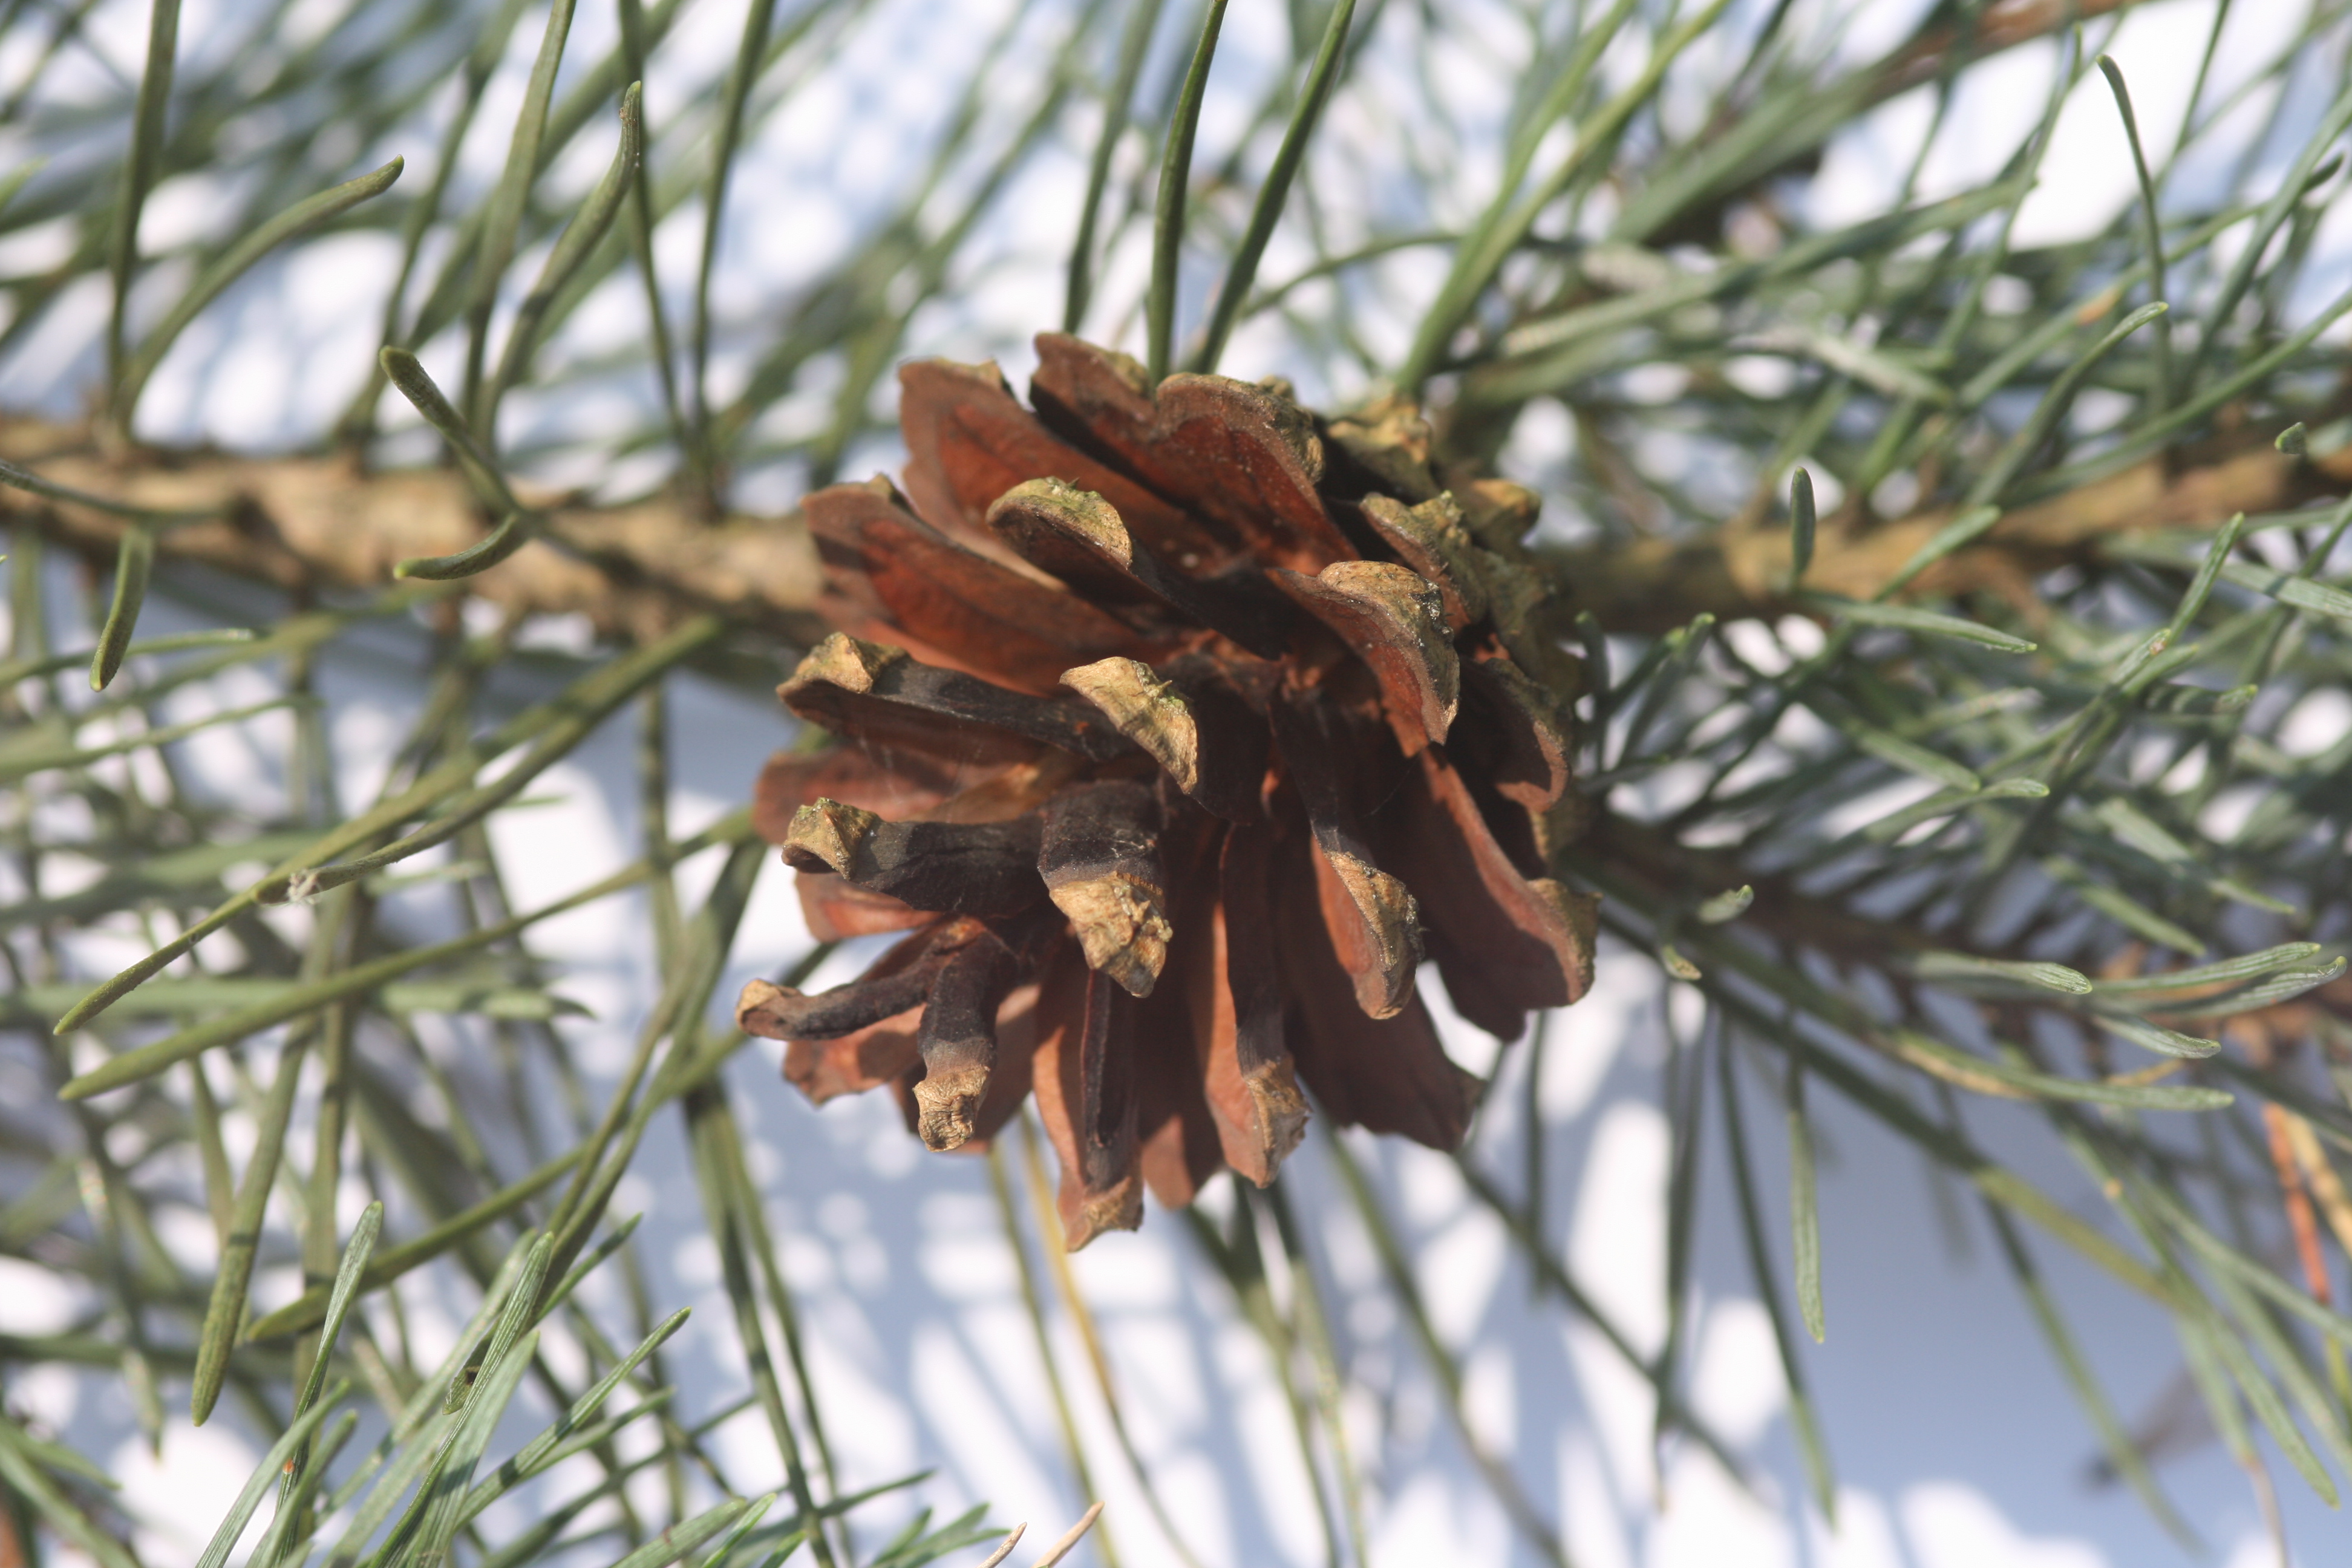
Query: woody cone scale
1178, 727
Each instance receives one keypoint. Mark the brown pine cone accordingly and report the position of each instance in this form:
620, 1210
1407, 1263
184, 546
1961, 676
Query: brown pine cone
1180, 726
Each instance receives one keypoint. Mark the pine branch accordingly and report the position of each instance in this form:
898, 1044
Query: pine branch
312, 523
638, 568
1740, 570
2011, 795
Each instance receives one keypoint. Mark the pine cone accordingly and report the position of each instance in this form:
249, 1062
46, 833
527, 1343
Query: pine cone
1181, 725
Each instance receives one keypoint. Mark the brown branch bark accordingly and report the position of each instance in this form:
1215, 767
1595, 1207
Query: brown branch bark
2003, 27
634, 571
1741, 570
311, 523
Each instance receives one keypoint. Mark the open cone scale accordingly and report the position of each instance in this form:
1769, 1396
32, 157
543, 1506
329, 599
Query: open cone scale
1180, 726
